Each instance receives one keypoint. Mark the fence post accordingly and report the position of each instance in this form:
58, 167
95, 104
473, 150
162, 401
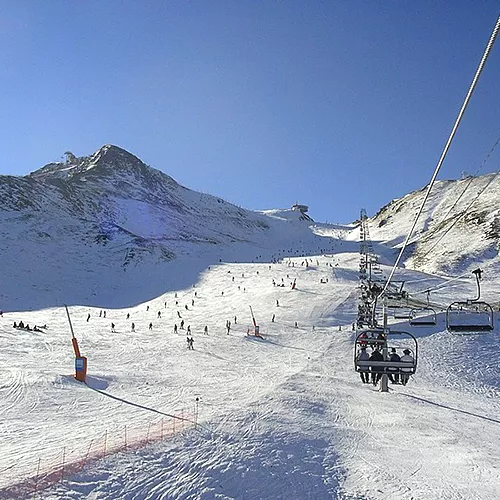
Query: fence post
37, 473
88, 452
62, 465
105, 441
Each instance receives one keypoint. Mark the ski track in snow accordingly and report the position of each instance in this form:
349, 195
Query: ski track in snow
284, 417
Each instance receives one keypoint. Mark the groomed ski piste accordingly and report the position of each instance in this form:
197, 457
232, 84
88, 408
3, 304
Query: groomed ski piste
282, 416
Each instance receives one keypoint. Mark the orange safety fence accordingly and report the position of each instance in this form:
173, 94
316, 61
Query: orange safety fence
25, 478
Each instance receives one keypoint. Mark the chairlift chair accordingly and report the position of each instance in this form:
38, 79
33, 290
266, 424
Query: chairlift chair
469, 317
402, 313
423, 316
404, 340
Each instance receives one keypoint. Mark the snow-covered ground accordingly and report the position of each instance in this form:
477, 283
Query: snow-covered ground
285, 416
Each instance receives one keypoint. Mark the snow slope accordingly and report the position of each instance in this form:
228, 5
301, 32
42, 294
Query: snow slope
281, 417
238, 417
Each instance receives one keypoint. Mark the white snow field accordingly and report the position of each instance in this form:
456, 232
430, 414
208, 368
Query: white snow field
283, 417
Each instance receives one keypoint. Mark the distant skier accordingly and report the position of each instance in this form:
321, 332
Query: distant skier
133, 327
88, 317
150, 326
277, 303
128, 315
182, 325
272, 319
192, 302
190, 342
147, 308
100, 314
104, 313
113, 327
179, 314
296, 325
175, 328
159, 314
186, 307
188, 332
205, 330
235, 318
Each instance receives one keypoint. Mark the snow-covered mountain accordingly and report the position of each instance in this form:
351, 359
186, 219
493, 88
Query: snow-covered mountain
282, 415
458, 230
111, 214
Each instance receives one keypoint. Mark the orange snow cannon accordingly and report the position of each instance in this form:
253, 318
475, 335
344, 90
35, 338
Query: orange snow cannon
80, 361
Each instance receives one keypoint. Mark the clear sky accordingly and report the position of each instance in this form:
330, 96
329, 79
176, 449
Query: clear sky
335, 104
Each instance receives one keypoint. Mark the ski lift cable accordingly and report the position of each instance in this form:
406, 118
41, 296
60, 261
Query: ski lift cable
444, 284
446, 148
472, 178
460, 196
463, 212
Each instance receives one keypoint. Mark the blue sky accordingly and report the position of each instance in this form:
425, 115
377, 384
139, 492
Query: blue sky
336, 104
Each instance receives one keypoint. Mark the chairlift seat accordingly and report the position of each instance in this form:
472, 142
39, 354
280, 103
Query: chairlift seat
389, 366
425, 316
476, 316
470, 328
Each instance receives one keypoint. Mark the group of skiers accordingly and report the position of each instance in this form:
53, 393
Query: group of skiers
22, 326
396, 375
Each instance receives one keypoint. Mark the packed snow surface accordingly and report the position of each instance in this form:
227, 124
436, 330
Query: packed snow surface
283, 416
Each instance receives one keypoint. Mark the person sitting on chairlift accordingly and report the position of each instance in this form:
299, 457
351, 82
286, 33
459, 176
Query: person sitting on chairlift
394, 372
406, 358
376, 370
364, 370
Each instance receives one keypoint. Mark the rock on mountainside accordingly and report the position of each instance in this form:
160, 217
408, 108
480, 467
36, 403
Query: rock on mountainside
458, 230
82, 230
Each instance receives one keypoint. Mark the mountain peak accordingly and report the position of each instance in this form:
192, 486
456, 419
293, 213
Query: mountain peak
109, 160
